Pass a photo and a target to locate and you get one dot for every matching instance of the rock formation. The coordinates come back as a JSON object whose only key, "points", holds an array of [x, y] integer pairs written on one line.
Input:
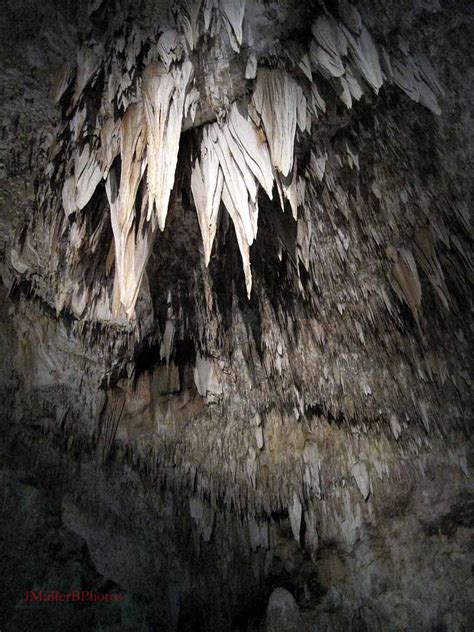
{"points": [[236, 287]]}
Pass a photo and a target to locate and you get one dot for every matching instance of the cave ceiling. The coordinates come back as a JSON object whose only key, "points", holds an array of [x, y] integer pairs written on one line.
{"points": [[235, 247]]}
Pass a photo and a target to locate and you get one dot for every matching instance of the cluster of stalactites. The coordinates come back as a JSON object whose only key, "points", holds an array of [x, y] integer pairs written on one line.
{"points": [[251, 146], [235, 159]]}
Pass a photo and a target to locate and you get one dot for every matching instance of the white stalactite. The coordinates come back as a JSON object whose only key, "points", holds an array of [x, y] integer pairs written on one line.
{"points": [[131, 252], [234, 161], [206, 185], [164, 96], [280, 102], [251, 146], [232, 12]]}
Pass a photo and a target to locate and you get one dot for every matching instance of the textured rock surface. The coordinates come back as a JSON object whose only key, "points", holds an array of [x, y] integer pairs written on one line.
{"points": [[282, 612], [235, 252]]}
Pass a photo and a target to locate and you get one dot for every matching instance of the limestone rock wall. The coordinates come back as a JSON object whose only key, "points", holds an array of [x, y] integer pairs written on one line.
{"points": [[235, 254]]}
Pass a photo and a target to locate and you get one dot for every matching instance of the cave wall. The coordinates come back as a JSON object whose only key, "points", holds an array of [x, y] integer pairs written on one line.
{"points": [[207, 447]]}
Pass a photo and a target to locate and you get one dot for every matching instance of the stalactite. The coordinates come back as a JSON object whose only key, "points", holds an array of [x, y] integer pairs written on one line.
{"points": [[164, 95], [252, 145], [130, 255], [281, 103], [298, 406]]}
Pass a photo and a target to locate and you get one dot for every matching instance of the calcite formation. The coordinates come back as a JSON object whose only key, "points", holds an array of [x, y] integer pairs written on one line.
{"points": [[236, 262], [148, 91]]}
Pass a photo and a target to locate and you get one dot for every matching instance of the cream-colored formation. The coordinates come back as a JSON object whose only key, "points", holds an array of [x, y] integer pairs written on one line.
{"points": [[249, 145]]}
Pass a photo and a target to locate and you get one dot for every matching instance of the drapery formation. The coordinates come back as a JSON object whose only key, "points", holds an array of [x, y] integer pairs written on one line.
{"points": [[151, 92], [327, 416]]}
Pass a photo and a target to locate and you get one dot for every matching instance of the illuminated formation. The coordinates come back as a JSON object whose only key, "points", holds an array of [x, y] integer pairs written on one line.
{"points": [[148, 99]]}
